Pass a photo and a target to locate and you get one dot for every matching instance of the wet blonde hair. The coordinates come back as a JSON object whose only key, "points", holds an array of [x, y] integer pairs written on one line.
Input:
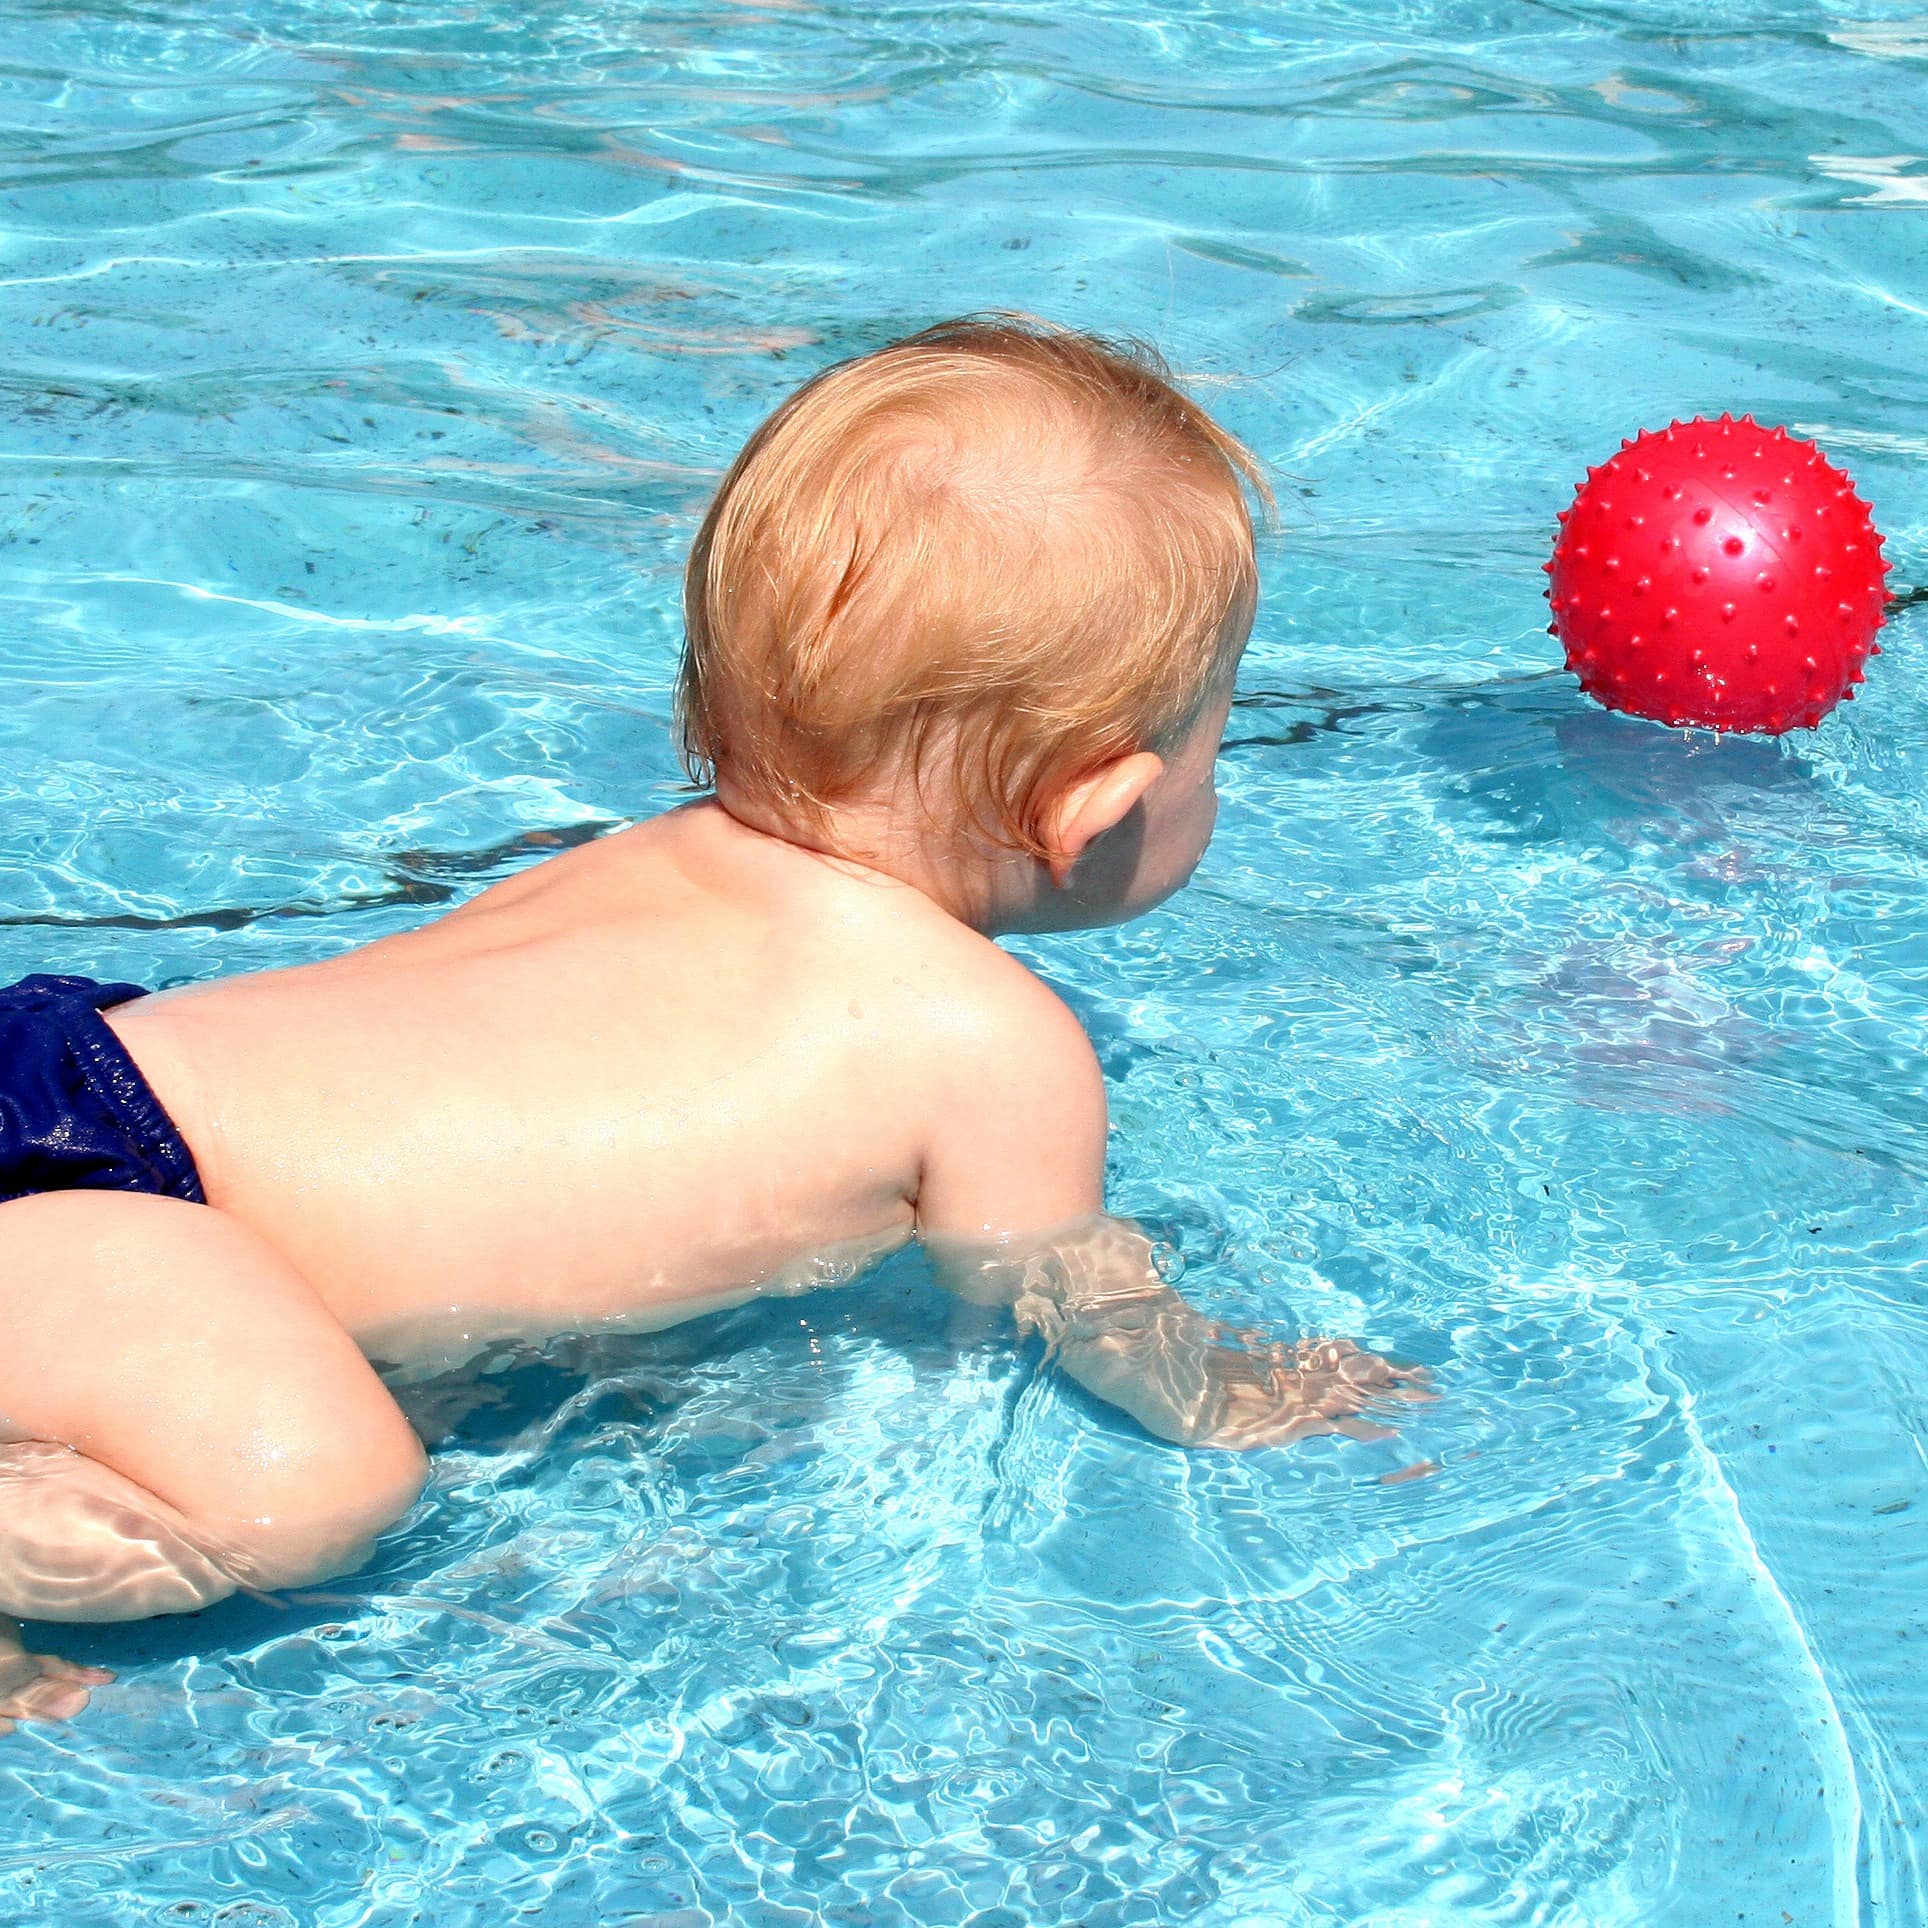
{"points": [[992, 558]]}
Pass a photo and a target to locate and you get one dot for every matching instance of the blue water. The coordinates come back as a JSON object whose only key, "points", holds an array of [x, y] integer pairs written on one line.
{"points": [[365, 369]]}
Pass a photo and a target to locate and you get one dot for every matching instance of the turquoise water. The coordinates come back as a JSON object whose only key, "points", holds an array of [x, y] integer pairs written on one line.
{"points": [[366, 367]]}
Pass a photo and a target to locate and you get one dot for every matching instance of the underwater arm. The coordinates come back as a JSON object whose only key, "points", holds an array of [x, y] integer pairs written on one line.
{"points": [[1092, 1292], [1024, 1147]]}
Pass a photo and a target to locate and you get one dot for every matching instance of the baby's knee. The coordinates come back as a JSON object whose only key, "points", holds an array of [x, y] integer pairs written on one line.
{"points": [[79, 1541], [326, 1521], [179, 1352]]}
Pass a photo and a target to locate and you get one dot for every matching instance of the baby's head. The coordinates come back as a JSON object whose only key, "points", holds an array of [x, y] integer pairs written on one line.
{"points": [[974, 602]]}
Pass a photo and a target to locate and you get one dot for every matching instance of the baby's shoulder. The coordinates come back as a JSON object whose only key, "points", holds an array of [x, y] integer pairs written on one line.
{"points": [[994, 1029], [1011, 1099], [838, 952], [972, 994]]}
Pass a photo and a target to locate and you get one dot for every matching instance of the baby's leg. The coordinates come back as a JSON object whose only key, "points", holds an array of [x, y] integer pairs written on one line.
{"points": [[179, 1415]]}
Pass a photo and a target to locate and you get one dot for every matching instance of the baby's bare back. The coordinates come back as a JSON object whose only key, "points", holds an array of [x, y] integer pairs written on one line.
{"points": [[668, 1068]]}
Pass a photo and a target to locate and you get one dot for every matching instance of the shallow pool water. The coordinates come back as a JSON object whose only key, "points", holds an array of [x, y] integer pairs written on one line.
{"points": [[366, 368]]}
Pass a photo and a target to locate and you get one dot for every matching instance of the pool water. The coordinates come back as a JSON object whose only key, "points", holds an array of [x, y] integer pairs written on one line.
{"points": [[366, 369]]}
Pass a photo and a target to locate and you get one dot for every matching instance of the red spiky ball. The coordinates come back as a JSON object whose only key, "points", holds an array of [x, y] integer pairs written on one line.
{"points": [[1719, 574]]}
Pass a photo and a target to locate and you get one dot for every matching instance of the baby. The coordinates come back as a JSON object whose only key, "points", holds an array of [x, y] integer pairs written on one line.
{"points": [[963, 622]]}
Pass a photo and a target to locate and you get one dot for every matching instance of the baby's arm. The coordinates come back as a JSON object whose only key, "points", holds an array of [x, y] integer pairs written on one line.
{"points": [[1010, 1209], [1091, 1290]]}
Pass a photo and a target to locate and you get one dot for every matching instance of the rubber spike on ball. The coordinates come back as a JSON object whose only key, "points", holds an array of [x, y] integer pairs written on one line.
{"points": [[1771, 575]]}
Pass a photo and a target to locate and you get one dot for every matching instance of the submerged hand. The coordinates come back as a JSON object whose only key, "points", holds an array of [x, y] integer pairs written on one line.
{"points": [[40, 1686], [1266, 1395]]}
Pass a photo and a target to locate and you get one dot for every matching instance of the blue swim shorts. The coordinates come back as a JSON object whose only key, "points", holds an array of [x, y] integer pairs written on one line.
{"points": [[75, 1112]]}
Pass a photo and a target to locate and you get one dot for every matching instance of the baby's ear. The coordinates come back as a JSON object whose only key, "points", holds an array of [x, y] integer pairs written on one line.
{"points": [[1090, 805]]}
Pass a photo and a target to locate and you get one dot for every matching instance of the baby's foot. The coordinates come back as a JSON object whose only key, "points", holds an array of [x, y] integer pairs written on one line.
{"points": [[40, 1686]]}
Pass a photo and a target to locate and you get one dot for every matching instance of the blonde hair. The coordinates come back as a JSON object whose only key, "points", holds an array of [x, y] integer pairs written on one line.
{"points": [[999, 541]]}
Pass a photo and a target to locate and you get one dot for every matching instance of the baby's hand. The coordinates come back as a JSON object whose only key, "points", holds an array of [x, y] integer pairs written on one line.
{"points": [[1264, 1394], [40, 1686]]}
